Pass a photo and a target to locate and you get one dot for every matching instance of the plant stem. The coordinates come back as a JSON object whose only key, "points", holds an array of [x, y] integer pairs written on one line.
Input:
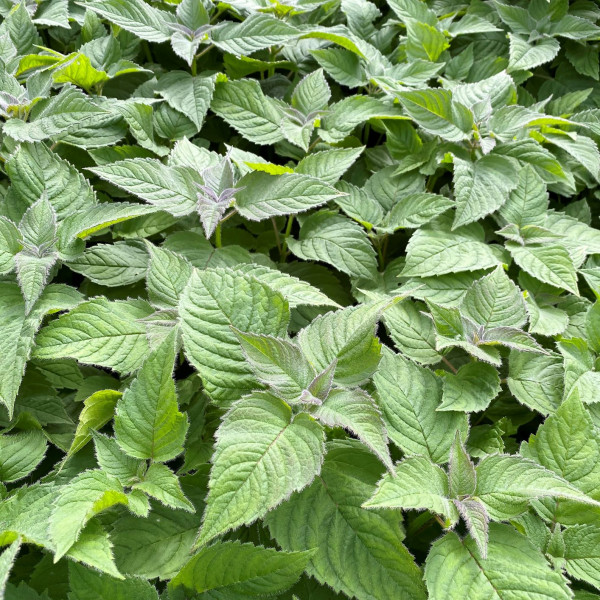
{"points": [[286, 235], [218, 241], [277, 237], [147, 52], [449, 365]]}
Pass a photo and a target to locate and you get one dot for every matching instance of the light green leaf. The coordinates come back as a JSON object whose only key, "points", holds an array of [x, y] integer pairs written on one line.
{"points": [[242, 570], [471, 389], [112, 265], [513, 567], [408, 396], [189, 95], [263, 454], [161, 483], [144, 21], [431, 252], [415, 210], [435, 111], [98, 410], [243, 105], [357, 412], [34, 169], [528, 201], [524, 56], [296, 291], [495, 301], [167, 276], [418, 484], [338, 241], [412, 332], [77, 502], [328, 166], [506, 484], [536, 381], [481, 187], [566, 444], [168, 188], [359, 551], [346, 336], [550, 263], [277, 363], [148, 423], [20, 453], [65, 113], [98, 332], [213, 300], [262, 195], [113, 461], [582, 554]]}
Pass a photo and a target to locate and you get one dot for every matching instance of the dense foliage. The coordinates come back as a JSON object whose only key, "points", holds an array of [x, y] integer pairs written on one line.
{"points": [[298, 299]]}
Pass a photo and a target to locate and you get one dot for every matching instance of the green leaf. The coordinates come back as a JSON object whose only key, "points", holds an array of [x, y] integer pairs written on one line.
{"points": [[157, 545], [435, 111], [528, 201], [418, 484], [495, 301], [77, 502], [88, 584], [338, 241], [357, 412], [189, 95], [263, 454], [136, 16], [98, 332], [524, 56], [34, 169], [20, 454], [471, 389], [65, 113], [112, 265], [566, 444], [506, 484], [256, 32], [167, 276], [481, 187], [581, 554], [214, 300], [243, 105], [263, 196], [277, 363], [408, 396], [113, 461], [346, 336], [431, 252], [328, 516], [536, 381], [513, 567], [161, 483], [167, 188], [10, 244], [328, 166], [148, 423], [7, 559], [550, 263], [415, 210], [98, 410], [244, 570], [296, 291]]}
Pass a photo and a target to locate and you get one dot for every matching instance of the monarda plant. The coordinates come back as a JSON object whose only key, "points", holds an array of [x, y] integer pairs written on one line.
{"points": [[298, 300]]}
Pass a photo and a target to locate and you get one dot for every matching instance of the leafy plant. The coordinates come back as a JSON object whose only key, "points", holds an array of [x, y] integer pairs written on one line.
{"points": [[299, 300]]}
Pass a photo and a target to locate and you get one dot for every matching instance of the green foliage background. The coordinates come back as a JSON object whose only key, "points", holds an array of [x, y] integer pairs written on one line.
{"points": [[298, 299]]}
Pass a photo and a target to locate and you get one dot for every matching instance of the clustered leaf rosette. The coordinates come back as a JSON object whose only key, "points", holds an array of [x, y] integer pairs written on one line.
{"points": [[299, 300]]}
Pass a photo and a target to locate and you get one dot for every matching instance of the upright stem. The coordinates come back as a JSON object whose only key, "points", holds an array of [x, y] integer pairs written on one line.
{"points": [[288, 232], [218, 242], [277, 238]]}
